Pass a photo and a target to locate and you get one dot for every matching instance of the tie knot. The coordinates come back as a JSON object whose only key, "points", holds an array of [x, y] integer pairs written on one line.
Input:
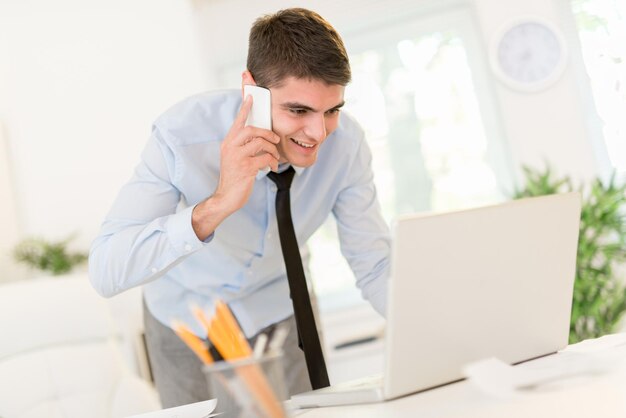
{"points": [[282, 180]]}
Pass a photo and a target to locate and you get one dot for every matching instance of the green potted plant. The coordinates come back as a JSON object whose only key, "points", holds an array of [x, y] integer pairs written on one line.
{"points": [[600, 287], [52, 257]]}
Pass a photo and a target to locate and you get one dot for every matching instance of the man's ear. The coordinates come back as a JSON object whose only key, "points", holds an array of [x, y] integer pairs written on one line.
{"points": [[246, 78]]}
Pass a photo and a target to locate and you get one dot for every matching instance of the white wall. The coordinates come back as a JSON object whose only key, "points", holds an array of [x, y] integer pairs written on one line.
{"points": [[80, 83], [9, 220]]}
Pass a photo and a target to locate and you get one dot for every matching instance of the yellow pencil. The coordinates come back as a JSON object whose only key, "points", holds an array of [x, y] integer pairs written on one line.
{"points": [[200, 316], [193, 342], [223, 313]]}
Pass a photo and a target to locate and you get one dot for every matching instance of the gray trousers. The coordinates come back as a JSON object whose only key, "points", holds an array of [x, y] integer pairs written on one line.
{"points": [[178, 372]]}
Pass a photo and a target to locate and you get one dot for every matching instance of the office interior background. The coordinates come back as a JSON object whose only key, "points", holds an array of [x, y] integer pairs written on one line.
{"points": [[82, 81]]}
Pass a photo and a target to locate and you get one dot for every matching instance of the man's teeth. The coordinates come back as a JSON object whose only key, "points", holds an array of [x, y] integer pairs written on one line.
{"points": [[302, 144]]}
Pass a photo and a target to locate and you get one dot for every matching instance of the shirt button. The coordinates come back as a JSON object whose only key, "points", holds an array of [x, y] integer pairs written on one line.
{"points": [[154, 269], [269, 236], [187, 247], [273, 187], [249, 272]]}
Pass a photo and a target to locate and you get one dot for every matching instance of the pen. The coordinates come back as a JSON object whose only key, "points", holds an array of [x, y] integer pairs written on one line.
{"points": [[259, 345]]}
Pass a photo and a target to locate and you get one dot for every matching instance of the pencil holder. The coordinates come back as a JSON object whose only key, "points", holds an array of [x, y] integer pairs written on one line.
{"points": [[250, 387]]}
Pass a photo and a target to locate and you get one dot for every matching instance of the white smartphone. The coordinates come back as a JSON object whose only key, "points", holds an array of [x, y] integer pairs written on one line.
{"points": [[261, 112]]}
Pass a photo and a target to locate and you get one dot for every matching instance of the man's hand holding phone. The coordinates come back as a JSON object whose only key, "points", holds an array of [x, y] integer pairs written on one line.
{"points": [[245, 151]]}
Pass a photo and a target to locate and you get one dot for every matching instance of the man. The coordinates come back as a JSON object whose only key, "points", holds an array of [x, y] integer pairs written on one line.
{"points": [[197, 222]]}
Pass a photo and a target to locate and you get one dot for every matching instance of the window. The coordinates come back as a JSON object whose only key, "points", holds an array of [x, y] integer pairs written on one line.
{"points": [[602, 31], [414, 91]]}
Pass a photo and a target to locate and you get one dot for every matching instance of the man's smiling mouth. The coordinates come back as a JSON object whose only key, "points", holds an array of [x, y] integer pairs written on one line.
{"points": [[302, 144]]}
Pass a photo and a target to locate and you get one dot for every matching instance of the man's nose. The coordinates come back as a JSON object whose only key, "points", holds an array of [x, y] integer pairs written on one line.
{"points": [[316, 128]]}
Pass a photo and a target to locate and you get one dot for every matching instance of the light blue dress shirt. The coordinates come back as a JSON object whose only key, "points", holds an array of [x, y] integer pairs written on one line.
{"points": [[147, 238]]}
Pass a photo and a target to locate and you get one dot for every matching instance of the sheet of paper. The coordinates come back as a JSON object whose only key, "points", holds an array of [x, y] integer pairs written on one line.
{"points": [[193, 410], [580, 361], [498, 378]]}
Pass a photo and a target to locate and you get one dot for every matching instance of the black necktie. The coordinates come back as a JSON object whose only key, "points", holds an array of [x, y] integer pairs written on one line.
{"points": [[308, 338]]}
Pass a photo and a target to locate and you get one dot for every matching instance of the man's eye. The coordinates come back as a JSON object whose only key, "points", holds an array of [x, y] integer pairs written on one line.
{"points": [[333, 111], [298, 111]]}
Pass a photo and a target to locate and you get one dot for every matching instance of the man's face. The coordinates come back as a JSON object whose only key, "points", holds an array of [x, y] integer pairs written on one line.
{"points": [[304, 113]]}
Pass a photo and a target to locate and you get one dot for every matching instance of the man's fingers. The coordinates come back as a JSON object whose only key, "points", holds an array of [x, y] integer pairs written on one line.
{"points": [[260, 145], [240, 120], [250, 133], [266, 160], [253, 131]]}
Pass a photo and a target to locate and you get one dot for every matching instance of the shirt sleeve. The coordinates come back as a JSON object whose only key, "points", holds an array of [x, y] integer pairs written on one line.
{"points": [[144, 235], [363, 233]]}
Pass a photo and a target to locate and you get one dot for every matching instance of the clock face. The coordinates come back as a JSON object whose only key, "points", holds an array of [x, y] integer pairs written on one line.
{"points": [[529, 55]]}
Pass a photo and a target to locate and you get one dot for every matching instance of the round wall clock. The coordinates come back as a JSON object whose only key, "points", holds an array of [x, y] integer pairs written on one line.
{"points": [[529, 54]]}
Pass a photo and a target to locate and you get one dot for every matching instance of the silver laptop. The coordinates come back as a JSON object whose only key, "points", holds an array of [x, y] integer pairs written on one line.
{"points": [[466, 285]]}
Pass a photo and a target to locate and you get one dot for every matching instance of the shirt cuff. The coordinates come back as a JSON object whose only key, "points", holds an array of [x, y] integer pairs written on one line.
{"points": [[181, 234]]}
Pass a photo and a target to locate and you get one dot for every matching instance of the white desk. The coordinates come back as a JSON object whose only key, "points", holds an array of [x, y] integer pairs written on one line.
{"points": [[589, 396]]}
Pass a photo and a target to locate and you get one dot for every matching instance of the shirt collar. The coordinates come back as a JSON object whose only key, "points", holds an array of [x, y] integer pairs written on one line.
{"points": [[281, 167]]}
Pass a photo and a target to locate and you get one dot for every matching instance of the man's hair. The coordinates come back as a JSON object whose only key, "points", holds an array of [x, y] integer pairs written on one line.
{"points": [[296, 43]]}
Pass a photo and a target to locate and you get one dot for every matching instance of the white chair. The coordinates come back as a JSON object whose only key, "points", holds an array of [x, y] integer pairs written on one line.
{"points": [[61, 354]]}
